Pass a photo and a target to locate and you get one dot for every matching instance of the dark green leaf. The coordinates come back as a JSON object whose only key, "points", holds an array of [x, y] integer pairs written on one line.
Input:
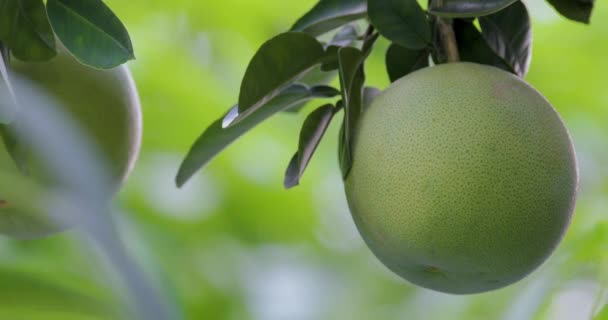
{"points": [[401, 21], [278, 63], [324, 91], [91, 32], [311, 134], [401, 61], [467, 8], [319, 79], [325, 73], [330, 62], [577, 10], [24, 27], [508, 32], [215, 138], [473, 47], [352, 79], [330, 14]]}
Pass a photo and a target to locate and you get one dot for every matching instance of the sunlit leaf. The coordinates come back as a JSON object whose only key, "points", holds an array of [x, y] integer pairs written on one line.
{"points": [[24, 27], [508, 32], [327, 15], [91, 32], [401, 61], [278, 63], [215, 138], [473, 47], [467, 8], [577, 10], [401, 21], [312, 132], [603, 314], [28, 296]]}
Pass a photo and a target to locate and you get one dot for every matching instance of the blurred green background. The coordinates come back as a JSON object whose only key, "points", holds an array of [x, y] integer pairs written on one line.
{"points": [[233, 244]]}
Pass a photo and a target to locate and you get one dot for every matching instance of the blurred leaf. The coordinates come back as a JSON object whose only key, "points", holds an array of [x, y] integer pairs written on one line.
{"points": [[26, 296], [401, 21], [278, 63], [345, 36], [508, 32], [312, 132], [214, 139], [14, 146], [467, 8], [327, 15], [577, 10], [474, 48], [91, 32], [24, 27], [369, 94], [8, 101], [352, 79], [401, 61], [603, 314]]}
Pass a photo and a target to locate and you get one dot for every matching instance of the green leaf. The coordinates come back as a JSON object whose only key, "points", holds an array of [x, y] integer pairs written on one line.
{"points": [[8, 101], [14, 146], [324, 74], [401, 61], [508, 32], [327, 15], [31, 296], [25, 29], [352, 79], [401, 21], [603, 314], [280, 61], [467, 8], [312, 132], [215, 138], [91, 32], [576, 10], [473, 47]]}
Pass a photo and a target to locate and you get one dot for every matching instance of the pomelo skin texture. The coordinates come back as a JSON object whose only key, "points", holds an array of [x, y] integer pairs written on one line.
{"points": [[104, 104], [464, 178]]}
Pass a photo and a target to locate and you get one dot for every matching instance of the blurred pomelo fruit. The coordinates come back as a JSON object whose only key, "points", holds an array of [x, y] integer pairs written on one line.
{"points": [[464, 178], [102, 104]]}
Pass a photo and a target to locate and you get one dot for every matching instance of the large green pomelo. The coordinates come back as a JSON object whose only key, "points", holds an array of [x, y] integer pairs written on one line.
{"points": [[464, 178], [103, 104]]}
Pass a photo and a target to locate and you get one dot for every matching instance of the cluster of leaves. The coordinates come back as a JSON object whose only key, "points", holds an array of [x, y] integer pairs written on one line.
{"points": [[88, 29], [277, 78], [29, 30]]}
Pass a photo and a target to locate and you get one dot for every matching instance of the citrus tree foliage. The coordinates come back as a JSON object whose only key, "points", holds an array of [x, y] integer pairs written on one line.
{"points": [[496, 33], [33, 31]]}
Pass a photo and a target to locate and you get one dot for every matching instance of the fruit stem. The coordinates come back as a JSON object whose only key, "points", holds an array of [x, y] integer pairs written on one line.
{"points": [[448, 39]]}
